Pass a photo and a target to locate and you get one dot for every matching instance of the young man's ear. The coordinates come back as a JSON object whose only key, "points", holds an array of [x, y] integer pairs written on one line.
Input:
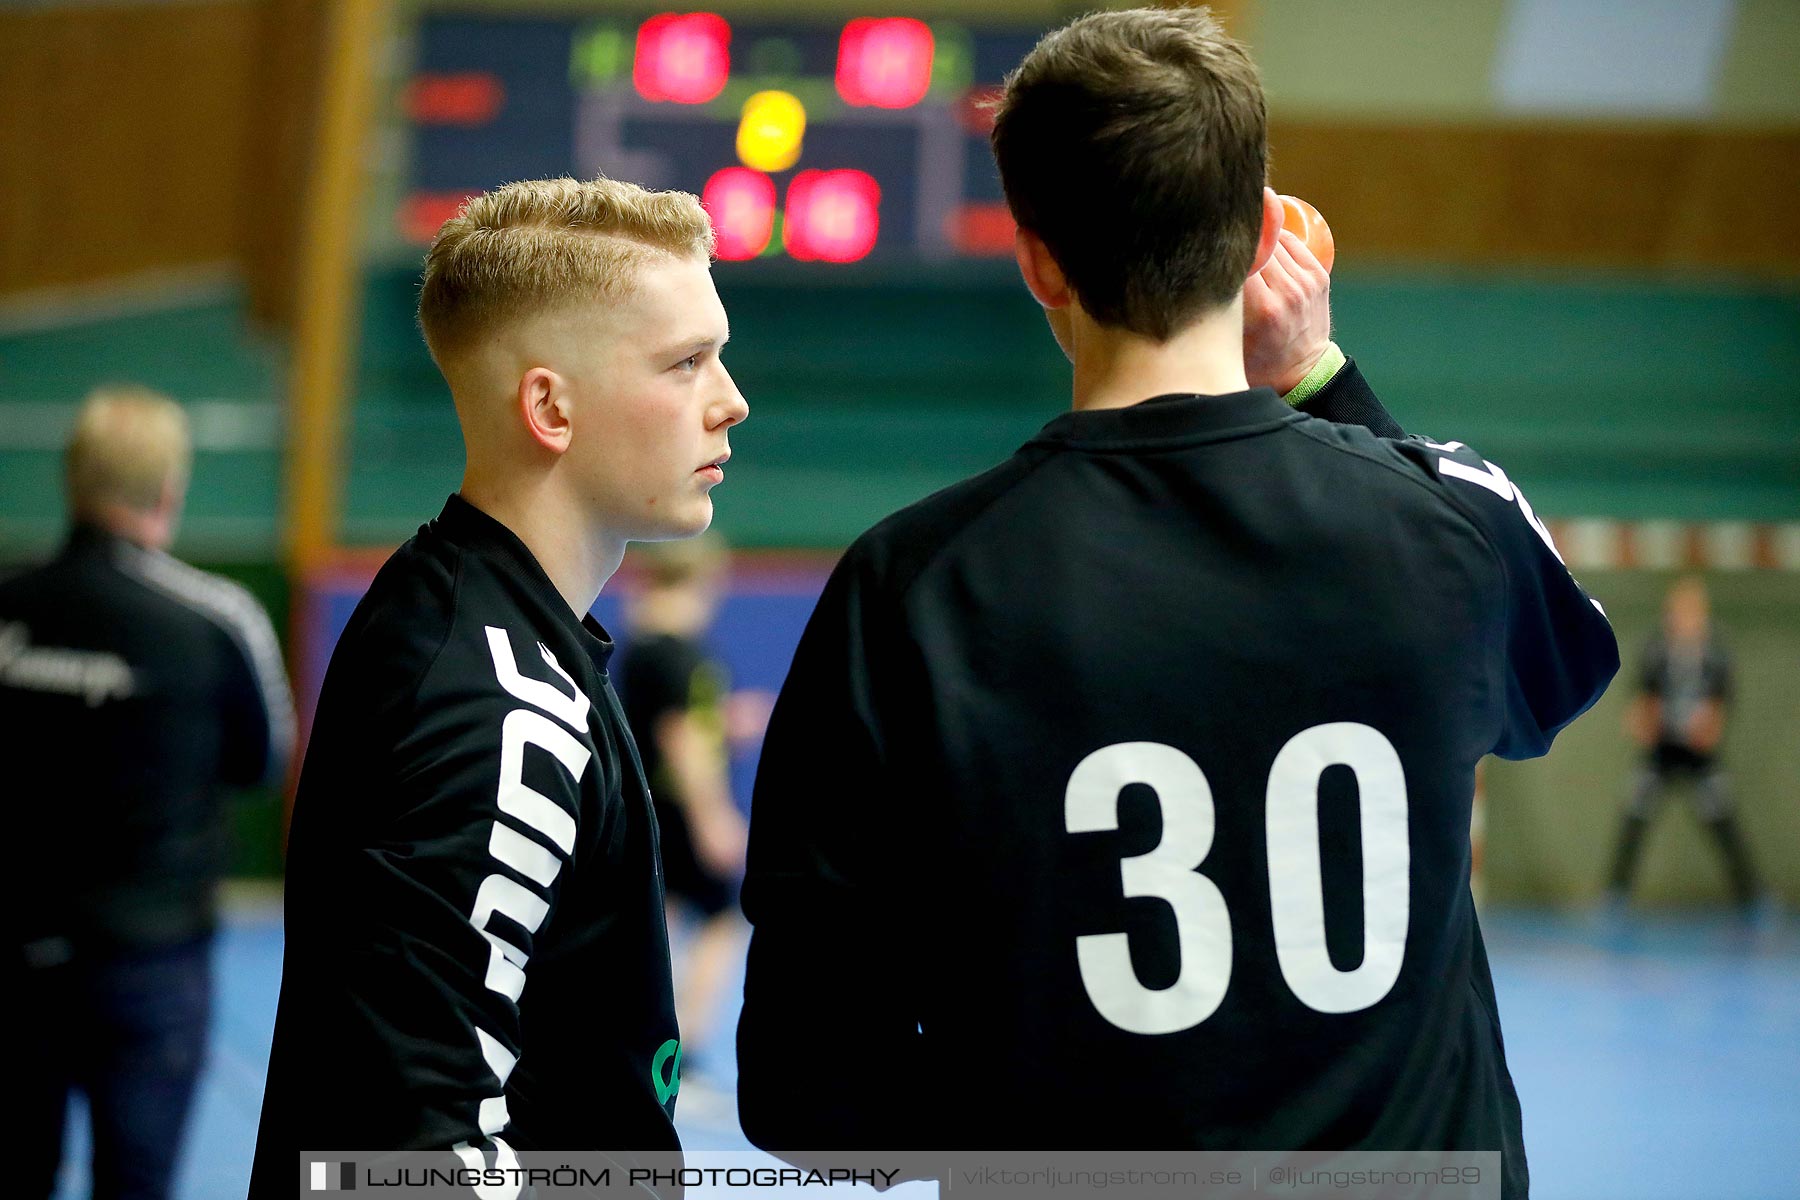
{"points": [[1044, 279], [543, 404], [1272, 218]]}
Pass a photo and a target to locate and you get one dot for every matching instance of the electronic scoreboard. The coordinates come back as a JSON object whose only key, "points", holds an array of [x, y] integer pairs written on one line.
{"points": [[825, 142]]}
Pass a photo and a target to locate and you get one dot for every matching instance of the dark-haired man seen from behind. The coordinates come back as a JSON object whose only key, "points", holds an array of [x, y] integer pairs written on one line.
{"points": [[1119, 797], [134, 690]]}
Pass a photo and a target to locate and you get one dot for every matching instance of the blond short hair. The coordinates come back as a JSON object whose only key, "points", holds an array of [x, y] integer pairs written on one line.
{"points": [[129, 443], [543, 243]]}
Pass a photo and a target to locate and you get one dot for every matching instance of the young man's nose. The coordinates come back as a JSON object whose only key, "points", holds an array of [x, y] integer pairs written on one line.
{"points": [[732, 407]]}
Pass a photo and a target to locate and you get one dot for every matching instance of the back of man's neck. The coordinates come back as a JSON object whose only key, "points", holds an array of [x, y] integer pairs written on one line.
{"points": [[1115, 369], [148, 529]]}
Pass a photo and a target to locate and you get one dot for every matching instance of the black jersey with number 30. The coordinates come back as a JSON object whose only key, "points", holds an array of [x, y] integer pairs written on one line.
{"points": [[1119, 797]]}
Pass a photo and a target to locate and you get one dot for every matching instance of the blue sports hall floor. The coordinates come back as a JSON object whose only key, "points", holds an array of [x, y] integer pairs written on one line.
{"points": [[1657, 1057]]}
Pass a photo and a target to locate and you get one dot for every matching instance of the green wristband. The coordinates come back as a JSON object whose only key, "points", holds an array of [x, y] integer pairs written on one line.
{"points": [[1323, 372]]}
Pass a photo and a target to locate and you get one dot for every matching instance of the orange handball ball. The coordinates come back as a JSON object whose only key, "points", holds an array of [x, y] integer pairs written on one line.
{"points": [[1304, 221]]}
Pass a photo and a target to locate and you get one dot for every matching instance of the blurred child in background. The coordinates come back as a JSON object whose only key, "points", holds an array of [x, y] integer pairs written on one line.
{"points": [[679, 705]]}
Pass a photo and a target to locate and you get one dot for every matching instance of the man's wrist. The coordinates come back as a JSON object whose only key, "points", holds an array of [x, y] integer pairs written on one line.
{"points": [[1322, 372]]}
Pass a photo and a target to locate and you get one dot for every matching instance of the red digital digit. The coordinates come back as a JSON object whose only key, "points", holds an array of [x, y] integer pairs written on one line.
{"points": [[461, 98], [741, 203], [832, 216], [884, 62], [682, 57]]}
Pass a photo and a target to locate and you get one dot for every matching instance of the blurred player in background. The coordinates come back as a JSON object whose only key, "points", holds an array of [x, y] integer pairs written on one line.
{"points": [[476, 957], [133, 690], [678, 702], [1119, 797], [1678, 718]]}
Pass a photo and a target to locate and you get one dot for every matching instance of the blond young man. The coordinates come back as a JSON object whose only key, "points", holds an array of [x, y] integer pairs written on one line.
{"points": [[476, 957], [134, 689], [1118, 798]]}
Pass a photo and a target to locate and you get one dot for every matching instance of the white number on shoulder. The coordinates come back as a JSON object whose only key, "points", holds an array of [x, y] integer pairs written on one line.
{"points": [[1494, 480]]}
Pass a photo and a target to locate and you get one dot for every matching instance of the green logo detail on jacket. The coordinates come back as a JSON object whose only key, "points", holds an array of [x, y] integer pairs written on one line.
{"points": [[666, 1088]]}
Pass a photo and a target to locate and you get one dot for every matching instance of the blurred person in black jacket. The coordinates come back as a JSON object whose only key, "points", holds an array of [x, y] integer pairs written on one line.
{"points": [[133, 690], [1678, 719]]}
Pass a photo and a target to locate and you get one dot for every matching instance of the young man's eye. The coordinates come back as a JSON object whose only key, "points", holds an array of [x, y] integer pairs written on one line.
{"points": [[690, 363]]}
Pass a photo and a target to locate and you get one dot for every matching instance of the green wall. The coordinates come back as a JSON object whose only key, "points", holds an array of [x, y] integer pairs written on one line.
{"points": [[1604, 397], [1615, 397]]}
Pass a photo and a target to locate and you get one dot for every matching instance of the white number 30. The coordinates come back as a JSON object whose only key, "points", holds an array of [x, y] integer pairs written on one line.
{"points": [[1168, 872]]}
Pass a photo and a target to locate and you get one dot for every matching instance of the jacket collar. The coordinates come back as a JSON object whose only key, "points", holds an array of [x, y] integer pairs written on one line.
{"points": [[462, 524], [87, 537], [1169, 420]]}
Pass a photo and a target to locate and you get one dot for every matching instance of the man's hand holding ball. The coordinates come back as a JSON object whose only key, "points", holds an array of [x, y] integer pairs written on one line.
{"points": [[1287, 304]]}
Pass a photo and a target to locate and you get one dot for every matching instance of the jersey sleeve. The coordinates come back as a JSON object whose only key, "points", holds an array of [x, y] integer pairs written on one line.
{"points": [[1347, 399], [256, 707], [461, 875], [1557, 651], [815, 892], [256, 704]]}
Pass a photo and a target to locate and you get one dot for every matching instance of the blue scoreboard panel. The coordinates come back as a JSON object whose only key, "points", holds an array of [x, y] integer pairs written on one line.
{"points": [[827, 142]]}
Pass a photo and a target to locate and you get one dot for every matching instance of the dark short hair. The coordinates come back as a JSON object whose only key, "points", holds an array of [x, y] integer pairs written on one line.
{"points": [[1135, 144]]}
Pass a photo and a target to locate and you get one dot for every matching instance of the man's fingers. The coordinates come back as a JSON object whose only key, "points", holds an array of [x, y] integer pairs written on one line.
{"points": [[1310, 286], [1274, 271], [1288, 279], [1291, 265], [1293, 271], [1298, 256]]}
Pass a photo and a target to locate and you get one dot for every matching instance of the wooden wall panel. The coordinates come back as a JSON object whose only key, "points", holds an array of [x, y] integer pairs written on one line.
{"points": [[1549, 195], [1738, 204], [125, 138]]}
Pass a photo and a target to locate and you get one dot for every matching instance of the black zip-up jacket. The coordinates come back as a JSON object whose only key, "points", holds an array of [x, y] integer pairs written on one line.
{"points": [[133, 689], [476, 953], [1119, 797]]}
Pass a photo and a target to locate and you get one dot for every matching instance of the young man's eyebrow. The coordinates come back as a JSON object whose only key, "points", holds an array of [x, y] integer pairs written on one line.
{"points": [[696, 346]]}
